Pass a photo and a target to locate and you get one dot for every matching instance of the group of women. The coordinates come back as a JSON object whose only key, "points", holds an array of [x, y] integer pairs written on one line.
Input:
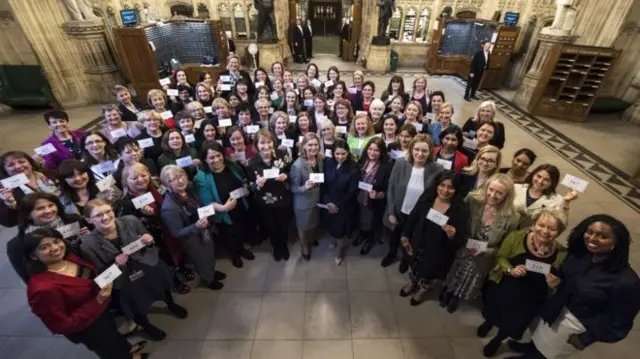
{"points": [[148, 197]]}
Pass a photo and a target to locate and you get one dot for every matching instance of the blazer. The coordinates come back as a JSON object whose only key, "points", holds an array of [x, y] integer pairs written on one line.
{"points": [[304, 198], [66, 305], [478, 63], [435, 130], [472, 124], [52, 160], [459, 159], [178, 222], [399, 181], [554, 201], [169, 158], [128, 115], [206, 190], [273, 193], [102, 252], [341, 184], [245, 75]]}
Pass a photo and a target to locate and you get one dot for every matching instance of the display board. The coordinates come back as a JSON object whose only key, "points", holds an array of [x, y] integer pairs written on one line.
{"points": [[464, 37], [186, 42]]}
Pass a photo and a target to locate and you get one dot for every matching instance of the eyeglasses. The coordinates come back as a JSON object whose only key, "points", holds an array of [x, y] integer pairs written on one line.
{"points": [[177, 178]]}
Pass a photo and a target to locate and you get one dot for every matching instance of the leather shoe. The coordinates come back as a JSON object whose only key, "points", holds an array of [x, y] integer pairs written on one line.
{"points": [[219, 275], [484, 329], [366, 248], [388, 260], [492, 347]]}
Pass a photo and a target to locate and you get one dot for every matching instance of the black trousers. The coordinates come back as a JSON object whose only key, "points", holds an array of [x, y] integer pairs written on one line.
{"points": [[394, 238], [102, 337], [275, 222], [472, 85], [308, 44]]}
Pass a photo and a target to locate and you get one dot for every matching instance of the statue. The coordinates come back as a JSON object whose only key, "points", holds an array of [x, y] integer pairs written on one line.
{"points": [[80, 9], [564, 19], [387, 7], [266, 18], [570, 19]]}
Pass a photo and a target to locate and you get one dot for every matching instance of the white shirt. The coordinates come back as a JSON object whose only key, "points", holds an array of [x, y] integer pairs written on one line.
{"points": [[486, 59], [415, 187], [300, 28]]}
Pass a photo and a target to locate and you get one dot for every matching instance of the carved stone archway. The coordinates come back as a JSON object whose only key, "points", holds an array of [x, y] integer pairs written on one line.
{"points": [[520, 67], [180, 8]]}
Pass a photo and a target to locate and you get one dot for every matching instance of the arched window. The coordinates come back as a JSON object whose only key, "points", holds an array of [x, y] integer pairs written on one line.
{"points": [[225, 17], [253, 22], [239, 21], [408, 30], [395, 23]]}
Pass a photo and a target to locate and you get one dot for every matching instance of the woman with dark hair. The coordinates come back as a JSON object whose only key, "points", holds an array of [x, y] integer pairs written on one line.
{"points": [[339, 191], [389, 132], [79, 187], [342, 115], [223, 184], [130, 153], [333, 77], [339, 92], [448, 154], [484, 137], [242, 91], [364, 98], [151, 138], [207, 133], [114, 127], [430, 243], [145, 279], [178, 103], [290, 105], [177, 152], [522, 160], [15, 163], [396, 108], [99, 154], [240, 149], [375, 170], [435, 100], [128, 107], [394, 88], [321, 111], [41, 210], [63, 294], [261, 78], [313, 73], [597, 293], [65, 140], [399, 149]]}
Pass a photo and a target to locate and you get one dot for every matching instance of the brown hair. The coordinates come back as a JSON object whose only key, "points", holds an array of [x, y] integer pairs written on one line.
{"points": [[420, 138]]}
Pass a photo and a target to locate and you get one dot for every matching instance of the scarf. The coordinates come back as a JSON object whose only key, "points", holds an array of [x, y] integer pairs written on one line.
{"points": [[58, 222], [367, 177]]}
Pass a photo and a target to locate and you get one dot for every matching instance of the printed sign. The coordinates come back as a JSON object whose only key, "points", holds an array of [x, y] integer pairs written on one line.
{"points": [[479, 246], [172, 92], [133, 247], [45, 150], [69, 230], [445, 163], [225, 122], [316, 177], [15, 181], [271, 173], [574, 183], [106, 183], [537, 267], [185, 161], [437, 217], [108, 276], [206, 211], [145, 142], [365, 186], [143, 200]]}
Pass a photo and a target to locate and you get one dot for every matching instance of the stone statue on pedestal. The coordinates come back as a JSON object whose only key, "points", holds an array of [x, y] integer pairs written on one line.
{"points": [[267, 31], [387, 7], [564, 19], [80, 9]]}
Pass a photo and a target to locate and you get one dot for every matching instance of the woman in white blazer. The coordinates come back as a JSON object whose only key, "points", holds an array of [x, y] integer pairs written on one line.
{"points": [[538, 192]]}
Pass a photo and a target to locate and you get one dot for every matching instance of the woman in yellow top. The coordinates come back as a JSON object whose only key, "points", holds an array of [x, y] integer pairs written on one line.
{"points": [[360, 132]]}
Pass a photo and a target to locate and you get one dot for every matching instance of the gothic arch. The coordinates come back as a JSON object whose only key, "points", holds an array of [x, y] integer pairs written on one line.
{"points": [[466, 13]]}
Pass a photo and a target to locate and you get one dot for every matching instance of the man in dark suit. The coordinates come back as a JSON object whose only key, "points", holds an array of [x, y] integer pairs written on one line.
{"points": [[308, 39], [344, 35], [298, 42], [479, 63]]}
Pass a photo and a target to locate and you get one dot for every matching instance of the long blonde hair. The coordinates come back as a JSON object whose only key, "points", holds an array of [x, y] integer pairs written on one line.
{"points": [[506, 207], [472, 169]]}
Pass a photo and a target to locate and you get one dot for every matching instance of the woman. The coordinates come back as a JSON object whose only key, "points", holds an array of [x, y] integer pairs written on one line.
{"points": [[128, 108], [355, 90], [333, 77], [413, 116], [363, 101], [538, 192], [63, 294], [63, 139], [485, 165], [484, 136], [327, 138], [448, 154], [409, 178], [389, 132], [271, 194], [394, 88], [308, 98], [304, 125], [486, 113], [420, 93], [302, 83], [339, 92], [180, 79], [342, 115], [399, 149], [287, 76], [263, 109], [41, 210], [144, 280], [375, 170], [234, 73], [313, 74], [206, 79], [204, 94], [14, 163], [279, 125], [79, 187], [176, 151], [510, 282], [360, 132], [207, 133], [519, 170], [321, 110], [157, 100], [242, 91], [435, 100], [432, 245], [99, 154], [396, 108], [180, 216], [444, 115], [277, 95], [376, 113], [114, 128], [339, 192], [239, 149], [184, 97], [261, 78], [137, 181], [276, 70], [223, 184], [597, 297], [150, 140], [290, 105], [491, 218], [306, 192]]}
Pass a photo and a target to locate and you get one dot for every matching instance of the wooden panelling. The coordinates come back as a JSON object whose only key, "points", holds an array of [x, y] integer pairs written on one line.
{"points": [[137, 59]]}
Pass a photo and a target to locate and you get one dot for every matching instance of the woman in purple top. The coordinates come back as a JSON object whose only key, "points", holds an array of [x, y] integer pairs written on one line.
{"points": [[65, 141]]}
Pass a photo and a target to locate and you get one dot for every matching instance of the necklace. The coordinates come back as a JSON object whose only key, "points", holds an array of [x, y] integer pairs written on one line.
{"points": [[64, 268], [540, 252]]}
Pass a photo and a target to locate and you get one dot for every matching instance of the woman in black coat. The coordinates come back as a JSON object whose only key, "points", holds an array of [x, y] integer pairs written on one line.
{"points": [[430, 245], [341, 176], [232, 74]]}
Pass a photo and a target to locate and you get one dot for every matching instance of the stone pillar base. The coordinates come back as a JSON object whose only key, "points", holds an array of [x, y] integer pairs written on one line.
{"points": [[269, 53], [379, 58]]}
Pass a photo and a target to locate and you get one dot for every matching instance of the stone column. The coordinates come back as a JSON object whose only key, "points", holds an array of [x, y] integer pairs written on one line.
{"points": [[434, 15], [532, 78], [369, 27], [102, 71]]}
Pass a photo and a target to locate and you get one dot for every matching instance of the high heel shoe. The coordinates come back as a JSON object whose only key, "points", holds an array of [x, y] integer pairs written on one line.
{"points": [[408, 289], [366, 248]]}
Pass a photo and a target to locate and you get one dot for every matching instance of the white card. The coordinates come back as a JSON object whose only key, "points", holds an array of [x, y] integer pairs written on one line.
{"points": [[287, 142], [328, 83], [395, 154], [225, 78], [237, 193], [292, 118], [239, 156], [206, 211], [190, 138], [341, 129], [225, 87], [45, 150], [361, 113], [300, 138], [479, 246], [308, 103], [328, 153], [208, 109], [103, 167], [470, 144], [574, 183], [259, 83], [121, 132], [431, 117], [69, 230], [297, 92], [143, 200], [353, 90], [437, 217], [271, 110], [445, 163], [225, 122], [172, 92], [316, 177], [537, 267], [15, 181], [321, 118], [166, 115], [108, 276], [133, 247], [418, 126], [365, 186], [251, 129], [271, 173], [185, 161], [165, 81], [322, 205], [316, 83], [106, 183], [274, 96], [145, 142], [288, 85]]}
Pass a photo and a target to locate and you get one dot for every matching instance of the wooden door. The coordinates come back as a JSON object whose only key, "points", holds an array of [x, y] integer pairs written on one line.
{"points": [[326, 17], [137, 59]]}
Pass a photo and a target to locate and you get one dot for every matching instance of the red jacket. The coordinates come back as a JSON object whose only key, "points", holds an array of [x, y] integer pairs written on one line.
{"points": [[459, 159], [66, 305]]}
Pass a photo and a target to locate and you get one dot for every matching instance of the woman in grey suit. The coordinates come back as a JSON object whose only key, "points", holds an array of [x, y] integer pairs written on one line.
{"points": [[410, 176], [306, 193], [145, 279]]}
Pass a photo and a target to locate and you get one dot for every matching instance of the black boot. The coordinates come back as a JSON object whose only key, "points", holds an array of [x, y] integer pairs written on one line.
{"points": [[177, 310], [492, 347], [445, 297], [403, 267], [388, 260], [519, 347], [366, 248], [484, 329], [453, 305]]}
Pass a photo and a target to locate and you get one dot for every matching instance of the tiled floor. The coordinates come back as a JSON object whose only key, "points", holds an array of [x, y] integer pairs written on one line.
{"points": [[312, 310]]}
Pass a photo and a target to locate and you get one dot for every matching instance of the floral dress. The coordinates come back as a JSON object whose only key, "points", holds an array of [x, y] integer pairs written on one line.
{"points": [[465, 280]]}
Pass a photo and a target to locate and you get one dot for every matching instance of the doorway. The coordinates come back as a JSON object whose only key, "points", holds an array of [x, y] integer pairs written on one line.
{"points": [[326, 21]]}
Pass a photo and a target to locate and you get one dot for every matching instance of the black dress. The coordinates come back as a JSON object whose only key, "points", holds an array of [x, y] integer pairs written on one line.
{"points": [[512, 304], [226, 183]]}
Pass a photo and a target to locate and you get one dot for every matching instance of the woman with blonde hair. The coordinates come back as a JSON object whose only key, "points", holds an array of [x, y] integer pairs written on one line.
{"points": [[486, 113], [491, 217], [444, 117], [360, 132], [420, 94], [356, 88], [413, 116], [486, 164], [152, 122], [158, 101], [327, 138], [204, 94]]}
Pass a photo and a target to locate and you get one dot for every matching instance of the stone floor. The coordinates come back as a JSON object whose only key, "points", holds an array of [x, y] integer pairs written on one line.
{"points": [[316, 310]]}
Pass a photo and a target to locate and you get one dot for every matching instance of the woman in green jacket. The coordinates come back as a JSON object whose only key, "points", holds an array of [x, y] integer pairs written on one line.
{"points": [[177, 152], [360, 133]]}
